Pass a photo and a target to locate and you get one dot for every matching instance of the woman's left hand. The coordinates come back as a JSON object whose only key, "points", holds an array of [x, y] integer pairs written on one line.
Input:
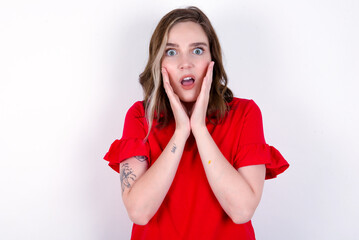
{"points": [[198, 116]]}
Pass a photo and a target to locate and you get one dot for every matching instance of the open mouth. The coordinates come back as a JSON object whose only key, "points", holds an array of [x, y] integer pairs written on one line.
{"points": [[187, 81]]}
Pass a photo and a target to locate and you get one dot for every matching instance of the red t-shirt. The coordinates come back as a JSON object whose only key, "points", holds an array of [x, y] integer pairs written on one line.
{"points": [[190, 209]]}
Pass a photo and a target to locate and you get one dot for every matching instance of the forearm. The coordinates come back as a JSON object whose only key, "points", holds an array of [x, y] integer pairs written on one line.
{"points": [[231, 189], [147, 193]]}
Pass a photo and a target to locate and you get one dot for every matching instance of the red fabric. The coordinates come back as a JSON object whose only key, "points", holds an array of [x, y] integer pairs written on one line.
{"points": [[190, 210]]}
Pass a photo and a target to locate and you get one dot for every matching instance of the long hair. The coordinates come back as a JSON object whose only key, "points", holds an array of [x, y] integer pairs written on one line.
{"points": [[156, 102]]}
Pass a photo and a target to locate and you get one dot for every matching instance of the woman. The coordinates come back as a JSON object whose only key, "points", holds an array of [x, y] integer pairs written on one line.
{"points": [[192, 158]]}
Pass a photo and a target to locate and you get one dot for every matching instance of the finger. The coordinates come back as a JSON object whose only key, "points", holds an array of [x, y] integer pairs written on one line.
{"points": [[207, 80], [166, 82], [168, 88], [164, 74], [209, 74], [164, 77]]}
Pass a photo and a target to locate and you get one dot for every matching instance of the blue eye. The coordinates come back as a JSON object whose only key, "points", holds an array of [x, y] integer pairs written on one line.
{"points": [[171, 52], [198, 51]]}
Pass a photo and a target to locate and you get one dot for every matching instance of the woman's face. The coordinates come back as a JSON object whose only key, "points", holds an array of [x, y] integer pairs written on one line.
{"points": [[186, 59]]}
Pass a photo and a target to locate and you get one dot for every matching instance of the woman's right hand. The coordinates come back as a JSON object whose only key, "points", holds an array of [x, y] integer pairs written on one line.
{"points": [[179, 113]]}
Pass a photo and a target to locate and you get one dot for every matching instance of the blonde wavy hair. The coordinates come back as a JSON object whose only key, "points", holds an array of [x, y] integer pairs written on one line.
{"points": [[156, 102]]}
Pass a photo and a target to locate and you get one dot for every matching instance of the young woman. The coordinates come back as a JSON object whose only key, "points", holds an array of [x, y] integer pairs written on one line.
{"points": [[192, 158]]}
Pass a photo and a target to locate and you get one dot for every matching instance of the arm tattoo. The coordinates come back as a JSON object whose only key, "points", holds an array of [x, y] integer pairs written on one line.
{"points": [[141, 158], [174, 148], [126, 175]]}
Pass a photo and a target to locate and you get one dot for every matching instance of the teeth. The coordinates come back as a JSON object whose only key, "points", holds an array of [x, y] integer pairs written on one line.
{"points": [[187, 78]]}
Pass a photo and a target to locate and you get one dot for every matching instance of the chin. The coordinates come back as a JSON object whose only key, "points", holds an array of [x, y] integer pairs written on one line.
{"points": [[188, 99]]}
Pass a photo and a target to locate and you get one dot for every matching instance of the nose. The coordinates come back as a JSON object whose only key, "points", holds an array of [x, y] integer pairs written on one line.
{"points": [[185, 62]]}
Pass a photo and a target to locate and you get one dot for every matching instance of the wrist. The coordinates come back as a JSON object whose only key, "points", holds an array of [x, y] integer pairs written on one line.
{"points": [[182, 134], [199, 131]]}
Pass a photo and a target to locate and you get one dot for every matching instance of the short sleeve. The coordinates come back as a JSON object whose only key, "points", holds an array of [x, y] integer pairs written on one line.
{"points": [[252, 148], [132, 142]]}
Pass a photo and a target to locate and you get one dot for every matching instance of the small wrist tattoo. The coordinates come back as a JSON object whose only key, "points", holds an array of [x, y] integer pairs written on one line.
{"points": [[174, 148]]}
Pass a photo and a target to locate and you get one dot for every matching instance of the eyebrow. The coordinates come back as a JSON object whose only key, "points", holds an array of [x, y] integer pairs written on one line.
{"points": [[196, 44]]}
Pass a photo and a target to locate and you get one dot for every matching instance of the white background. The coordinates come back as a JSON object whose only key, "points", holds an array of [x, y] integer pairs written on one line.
{"points": [[69, 72]]}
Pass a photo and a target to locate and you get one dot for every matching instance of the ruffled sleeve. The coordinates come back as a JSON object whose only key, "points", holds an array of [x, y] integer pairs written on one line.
{"points": [[123, 149], [252, 148], [132, 142], [255, 154]]}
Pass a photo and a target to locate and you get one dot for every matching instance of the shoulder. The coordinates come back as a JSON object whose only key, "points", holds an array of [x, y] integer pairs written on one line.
{"points": [[135, 119], [137, 110], [242, 105]]}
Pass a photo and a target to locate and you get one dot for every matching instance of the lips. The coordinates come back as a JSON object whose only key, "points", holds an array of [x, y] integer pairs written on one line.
{"points": [[187, 81]]}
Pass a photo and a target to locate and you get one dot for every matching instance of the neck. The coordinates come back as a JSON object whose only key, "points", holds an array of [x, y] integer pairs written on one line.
{"points": [[188, 107]]}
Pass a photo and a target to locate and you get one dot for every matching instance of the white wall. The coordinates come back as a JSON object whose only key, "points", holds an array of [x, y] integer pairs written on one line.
{"points": [[69, 72]]}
